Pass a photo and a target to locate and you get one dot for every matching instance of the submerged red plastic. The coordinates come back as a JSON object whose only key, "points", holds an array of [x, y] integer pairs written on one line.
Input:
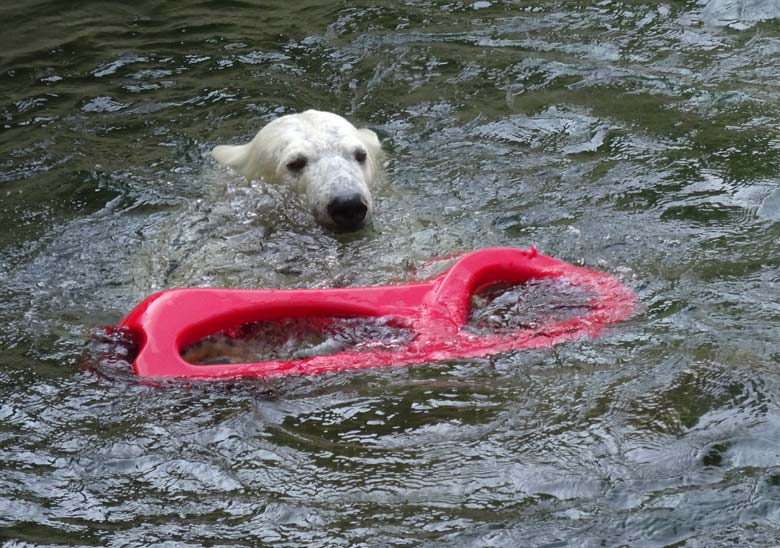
{"points": [[435, 310]]}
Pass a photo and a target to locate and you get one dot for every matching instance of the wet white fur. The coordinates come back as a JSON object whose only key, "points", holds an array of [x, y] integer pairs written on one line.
{"points": [[327, 141]]}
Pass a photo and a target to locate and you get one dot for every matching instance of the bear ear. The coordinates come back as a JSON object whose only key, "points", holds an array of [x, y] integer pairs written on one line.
{"points": [[371, 141], [231, 156]]}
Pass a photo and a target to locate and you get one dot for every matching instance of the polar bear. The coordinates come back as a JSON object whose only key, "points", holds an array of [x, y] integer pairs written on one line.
{"points": [[319, 154]]}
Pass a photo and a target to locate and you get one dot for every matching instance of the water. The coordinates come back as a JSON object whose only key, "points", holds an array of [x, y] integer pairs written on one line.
{"points": [[637, 138], [511, 308], [291, 339]]}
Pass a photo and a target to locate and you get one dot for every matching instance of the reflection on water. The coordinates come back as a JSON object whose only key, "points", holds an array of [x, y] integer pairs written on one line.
{"points": [[636, 138]]}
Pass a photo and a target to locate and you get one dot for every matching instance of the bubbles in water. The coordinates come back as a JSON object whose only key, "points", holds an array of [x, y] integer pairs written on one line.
{"points": [[502, 308], [297, 338]]}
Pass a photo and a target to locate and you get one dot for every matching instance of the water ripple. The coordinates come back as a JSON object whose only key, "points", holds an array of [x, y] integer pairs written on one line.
{"points": [[637, 139]]}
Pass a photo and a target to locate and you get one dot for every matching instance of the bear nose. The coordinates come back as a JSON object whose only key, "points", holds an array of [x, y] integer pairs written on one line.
{"points": [[348, 212]]}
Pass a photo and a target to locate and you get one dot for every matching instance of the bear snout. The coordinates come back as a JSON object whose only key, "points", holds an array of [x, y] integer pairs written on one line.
{"points": [[348, 211]]}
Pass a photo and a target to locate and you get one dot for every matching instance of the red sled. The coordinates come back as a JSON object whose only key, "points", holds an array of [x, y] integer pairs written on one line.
{"points": [[435, 311]]}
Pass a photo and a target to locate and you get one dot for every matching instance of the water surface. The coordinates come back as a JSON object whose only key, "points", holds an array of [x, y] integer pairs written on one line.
{"points": [[640, 138]]}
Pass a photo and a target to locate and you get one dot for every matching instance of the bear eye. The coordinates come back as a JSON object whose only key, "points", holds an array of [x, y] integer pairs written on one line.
{"points": [[297, 165], [360, 155]]}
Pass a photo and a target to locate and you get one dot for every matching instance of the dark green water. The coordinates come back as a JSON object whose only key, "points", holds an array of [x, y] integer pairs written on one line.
{"points": [[639, 138]]}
